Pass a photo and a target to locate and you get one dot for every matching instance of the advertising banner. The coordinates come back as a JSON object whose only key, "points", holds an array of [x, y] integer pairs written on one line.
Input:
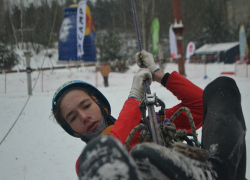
{"points": [[243, 42], [81, 26], [155, 35], [190, 49], [172, 42]]}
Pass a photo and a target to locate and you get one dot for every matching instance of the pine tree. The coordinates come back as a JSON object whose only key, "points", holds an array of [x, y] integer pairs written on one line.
{"points": [[110, 45]]}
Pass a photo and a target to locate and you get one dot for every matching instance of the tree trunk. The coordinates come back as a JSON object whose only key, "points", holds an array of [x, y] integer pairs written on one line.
{"points": [[151, 20], [21, 9], [143, 24], [124, 15], [1, 13], [146, 23], [12, 25]]}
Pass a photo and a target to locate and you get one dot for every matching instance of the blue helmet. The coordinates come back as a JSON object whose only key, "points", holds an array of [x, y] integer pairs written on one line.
{"points": [[92, 91], [78, 83]]}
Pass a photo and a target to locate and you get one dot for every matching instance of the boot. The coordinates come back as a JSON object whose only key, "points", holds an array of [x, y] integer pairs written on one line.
{"points": [[158, 162], [104, 158]]}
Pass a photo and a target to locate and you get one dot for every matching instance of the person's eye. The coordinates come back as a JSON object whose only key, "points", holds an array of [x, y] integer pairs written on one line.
{"points": [[73, 119], [87, 106]]}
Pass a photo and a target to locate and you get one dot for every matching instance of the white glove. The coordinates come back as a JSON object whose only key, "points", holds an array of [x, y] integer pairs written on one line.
{"points": [[137, 89], [146, 58]]}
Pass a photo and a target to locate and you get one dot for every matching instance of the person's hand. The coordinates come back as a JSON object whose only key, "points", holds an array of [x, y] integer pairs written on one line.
{"points": [[137, 89], [147, 59]]}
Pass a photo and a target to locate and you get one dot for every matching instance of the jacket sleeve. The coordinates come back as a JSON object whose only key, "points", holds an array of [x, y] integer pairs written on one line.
{"points": [[190, 96], [77, 165], [129, 117]]}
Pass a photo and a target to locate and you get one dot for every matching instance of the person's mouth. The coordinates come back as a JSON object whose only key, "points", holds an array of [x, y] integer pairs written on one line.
{"points": [[92, 126]]}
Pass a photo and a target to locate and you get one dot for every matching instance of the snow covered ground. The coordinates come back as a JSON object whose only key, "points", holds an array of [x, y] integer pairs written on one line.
{"points": [[37, 148]]}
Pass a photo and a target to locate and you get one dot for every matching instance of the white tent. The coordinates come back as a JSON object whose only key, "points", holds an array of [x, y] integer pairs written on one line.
{"points": [[220, 52], [216, 48]]}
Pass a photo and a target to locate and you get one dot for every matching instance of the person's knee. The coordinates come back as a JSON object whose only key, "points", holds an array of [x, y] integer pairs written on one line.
{"points": [[149, 151], [221, 82], [138, 151], [222, 87], [224, 79]]}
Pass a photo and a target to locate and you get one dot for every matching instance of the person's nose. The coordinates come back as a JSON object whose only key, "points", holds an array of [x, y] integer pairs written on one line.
{"points": [[84, 117]]}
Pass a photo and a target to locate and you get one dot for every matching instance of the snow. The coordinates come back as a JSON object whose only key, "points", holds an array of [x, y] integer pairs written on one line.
{"points": [[36, 147]]}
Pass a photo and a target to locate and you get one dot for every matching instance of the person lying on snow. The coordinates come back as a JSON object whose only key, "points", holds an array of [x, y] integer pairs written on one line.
{"points": [[84, 112]]}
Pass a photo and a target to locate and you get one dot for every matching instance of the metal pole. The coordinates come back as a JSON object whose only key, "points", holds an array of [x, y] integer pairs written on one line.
{"points": [[96, 85], [247, 68], [5, 81], [42, 80], [28, 71], [96, 69], [154, 126], [205, 76]]}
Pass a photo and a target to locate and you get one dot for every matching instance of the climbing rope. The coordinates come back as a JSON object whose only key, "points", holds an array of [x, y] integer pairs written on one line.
{"points": [[153, 126], [51, 32], [139, 128], [34, 83], [168, 131], [191, 121]]}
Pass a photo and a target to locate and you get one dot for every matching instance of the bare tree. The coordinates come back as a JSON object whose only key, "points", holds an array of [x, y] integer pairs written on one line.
{"points": [[12, 25], [152, 17], [146, 17], [1, 12], [21, 8], [143, 30]]}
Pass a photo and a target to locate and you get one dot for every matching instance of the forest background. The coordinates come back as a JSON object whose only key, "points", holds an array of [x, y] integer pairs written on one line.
{"points": [[36, 25]]}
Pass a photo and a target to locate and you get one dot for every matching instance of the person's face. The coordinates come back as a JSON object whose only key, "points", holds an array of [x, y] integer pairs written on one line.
{"points": [[80, 111]]}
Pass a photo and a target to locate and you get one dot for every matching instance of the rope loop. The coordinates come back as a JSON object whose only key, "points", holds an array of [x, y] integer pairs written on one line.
{"points": [[139, 128], [168, 131], [145, 136], [182, 132]]}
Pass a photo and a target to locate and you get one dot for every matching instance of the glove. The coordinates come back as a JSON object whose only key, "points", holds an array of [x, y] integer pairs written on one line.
{"points": [[146, 58], [137, 89]]}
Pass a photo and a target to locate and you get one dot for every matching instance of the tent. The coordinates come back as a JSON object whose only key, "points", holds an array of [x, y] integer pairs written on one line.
{"points": [[221, 52], [67, 46]]}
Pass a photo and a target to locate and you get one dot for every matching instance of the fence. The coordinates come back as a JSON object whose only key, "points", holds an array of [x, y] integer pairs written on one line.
{"points": [[49, 79]]}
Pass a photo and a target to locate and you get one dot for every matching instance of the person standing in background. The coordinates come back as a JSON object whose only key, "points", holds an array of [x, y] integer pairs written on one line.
{"points": [[105, 70]]}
